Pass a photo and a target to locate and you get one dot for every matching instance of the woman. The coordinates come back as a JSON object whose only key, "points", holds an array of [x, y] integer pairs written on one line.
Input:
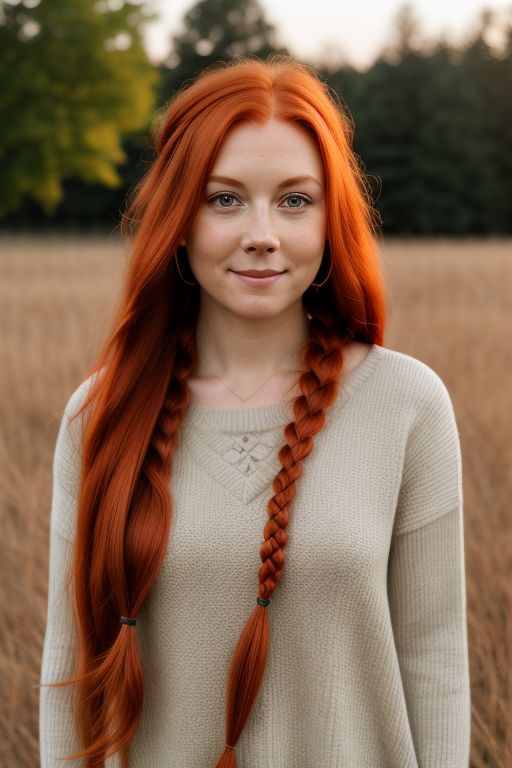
{"points": [[232, 424]]}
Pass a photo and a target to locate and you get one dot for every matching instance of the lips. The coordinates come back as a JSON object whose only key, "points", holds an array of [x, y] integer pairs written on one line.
{"points": [[257, 272]]}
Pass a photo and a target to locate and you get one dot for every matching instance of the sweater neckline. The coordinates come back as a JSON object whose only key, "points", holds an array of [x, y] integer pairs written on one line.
{"points": [[274, 414]]}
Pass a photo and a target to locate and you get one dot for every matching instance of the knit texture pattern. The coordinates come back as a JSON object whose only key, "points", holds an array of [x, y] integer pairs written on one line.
{"points": [[368, 660]]}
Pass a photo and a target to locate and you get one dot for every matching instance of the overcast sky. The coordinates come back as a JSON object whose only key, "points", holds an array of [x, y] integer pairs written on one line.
{"points": [[355, 31]]}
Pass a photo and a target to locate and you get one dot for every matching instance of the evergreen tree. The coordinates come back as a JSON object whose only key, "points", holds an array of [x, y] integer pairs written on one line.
{"points": [[216, 30], [422, 131], [491, 73]]}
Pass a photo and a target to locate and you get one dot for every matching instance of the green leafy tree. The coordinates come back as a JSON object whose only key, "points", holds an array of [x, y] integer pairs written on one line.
{"points": [[74, 78], [216, 30]]}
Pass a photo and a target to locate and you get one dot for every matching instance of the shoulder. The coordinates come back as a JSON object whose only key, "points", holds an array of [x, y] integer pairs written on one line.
{"points": [[408, 379], [423, 404], [422, 421], [72, 427], [81, 392], [79, 395]]}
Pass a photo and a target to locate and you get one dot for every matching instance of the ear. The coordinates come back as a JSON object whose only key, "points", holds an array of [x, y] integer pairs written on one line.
{"points": [[182, 241]]}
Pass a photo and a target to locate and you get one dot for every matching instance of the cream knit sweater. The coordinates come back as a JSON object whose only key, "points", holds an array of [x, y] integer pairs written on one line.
{"points": [[368, 660]]}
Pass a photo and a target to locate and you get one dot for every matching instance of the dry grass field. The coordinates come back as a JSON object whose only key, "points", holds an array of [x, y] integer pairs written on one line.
{"points": [[450, 306]]}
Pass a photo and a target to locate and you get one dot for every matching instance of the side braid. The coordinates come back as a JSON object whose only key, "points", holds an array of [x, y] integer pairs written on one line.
{"points": [[144, 554], [323, 357], [109, 671], [152, 492], [152, 488]]}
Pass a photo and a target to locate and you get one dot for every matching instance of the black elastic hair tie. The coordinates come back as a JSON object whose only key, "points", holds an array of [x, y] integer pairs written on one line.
{"points": [[262, 602], [130, 622]]}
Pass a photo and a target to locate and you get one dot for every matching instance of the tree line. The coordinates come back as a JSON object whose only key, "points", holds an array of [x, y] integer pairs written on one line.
{"points": [[78, 94]]}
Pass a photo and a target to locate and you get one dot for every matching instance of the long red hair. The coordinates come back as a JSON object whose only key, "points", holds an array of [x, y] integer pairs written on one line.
{"points": [[138, 394]]}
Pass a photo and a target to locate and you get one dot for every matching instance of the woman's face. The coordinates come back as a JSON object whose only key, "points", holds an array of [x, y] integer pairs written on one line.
{"points": [[263, 209]]}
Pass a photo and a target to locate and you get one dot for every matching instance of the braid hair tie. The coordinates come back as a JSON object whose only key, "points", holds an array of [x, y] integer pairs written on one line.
{"points": [[133, 622], [126, 620]]}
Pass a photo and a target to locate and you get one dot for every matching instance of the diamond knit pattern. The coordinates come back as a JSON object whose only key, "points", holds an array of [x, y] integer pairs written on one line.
{"points": [[244, 462]]}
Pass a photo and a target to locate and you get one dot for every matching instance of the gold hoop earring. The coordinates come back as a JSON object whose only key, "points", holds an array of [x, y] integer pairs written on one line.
{"points": [[178, 267], [318, 285]]}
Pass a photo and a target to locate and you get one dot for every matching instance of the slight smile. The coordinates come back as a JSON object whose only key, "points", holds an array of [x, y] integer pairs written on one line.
{"points": [[267, 279]]}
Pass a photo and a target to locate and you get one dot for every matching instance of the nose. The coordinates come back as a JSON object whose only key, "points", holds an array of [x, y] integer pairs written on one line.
{"points": [[260, 235]]}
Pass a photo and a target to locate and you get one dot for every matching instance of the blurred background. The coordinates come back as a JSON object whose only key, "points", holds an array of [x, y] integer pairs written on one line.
{"points": [[428, 86]]}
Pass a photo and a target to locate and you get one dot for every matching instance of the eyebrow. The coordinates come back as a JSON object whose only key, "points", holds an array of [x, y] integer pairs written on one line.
{"points": [[287, 183]]}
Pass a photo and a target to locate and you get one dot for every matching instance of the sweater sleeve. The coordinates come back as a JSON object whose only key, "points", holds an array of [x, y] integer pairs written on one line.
{"points": [[57, 733], [427, 587]]}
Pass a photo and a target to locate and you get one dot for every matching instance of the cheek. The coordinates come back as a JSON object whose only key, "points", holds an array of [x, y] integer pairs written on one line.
{"points": [[306, 245], [208, 235], [307, 234]]}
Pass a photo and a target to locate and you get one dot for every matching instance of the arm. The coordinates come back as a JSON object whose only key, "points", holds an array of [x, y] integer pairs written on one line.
{"points": [[427, 597], [57, 734], [427, 588]]}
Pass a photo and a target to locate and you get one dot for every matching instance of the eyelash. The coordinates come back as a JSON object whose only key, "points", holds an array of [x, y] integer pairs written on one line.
{"points": [[305, 198]]}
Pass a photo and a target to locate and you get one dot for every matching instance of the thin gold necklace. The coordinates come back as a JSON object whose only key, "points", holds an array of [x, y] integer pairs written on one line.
{"points": [[258, 388], [244, 399]]}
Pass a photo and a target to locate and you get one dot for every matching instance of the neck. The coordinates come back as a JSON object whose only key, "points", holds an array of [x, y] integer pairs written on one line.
{"points": [[244, 349]]}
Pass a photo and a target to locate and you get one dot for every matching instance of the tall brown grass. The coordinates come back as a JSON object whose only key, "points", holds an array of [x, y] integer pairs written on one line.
{"points": [[450, 306]]}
